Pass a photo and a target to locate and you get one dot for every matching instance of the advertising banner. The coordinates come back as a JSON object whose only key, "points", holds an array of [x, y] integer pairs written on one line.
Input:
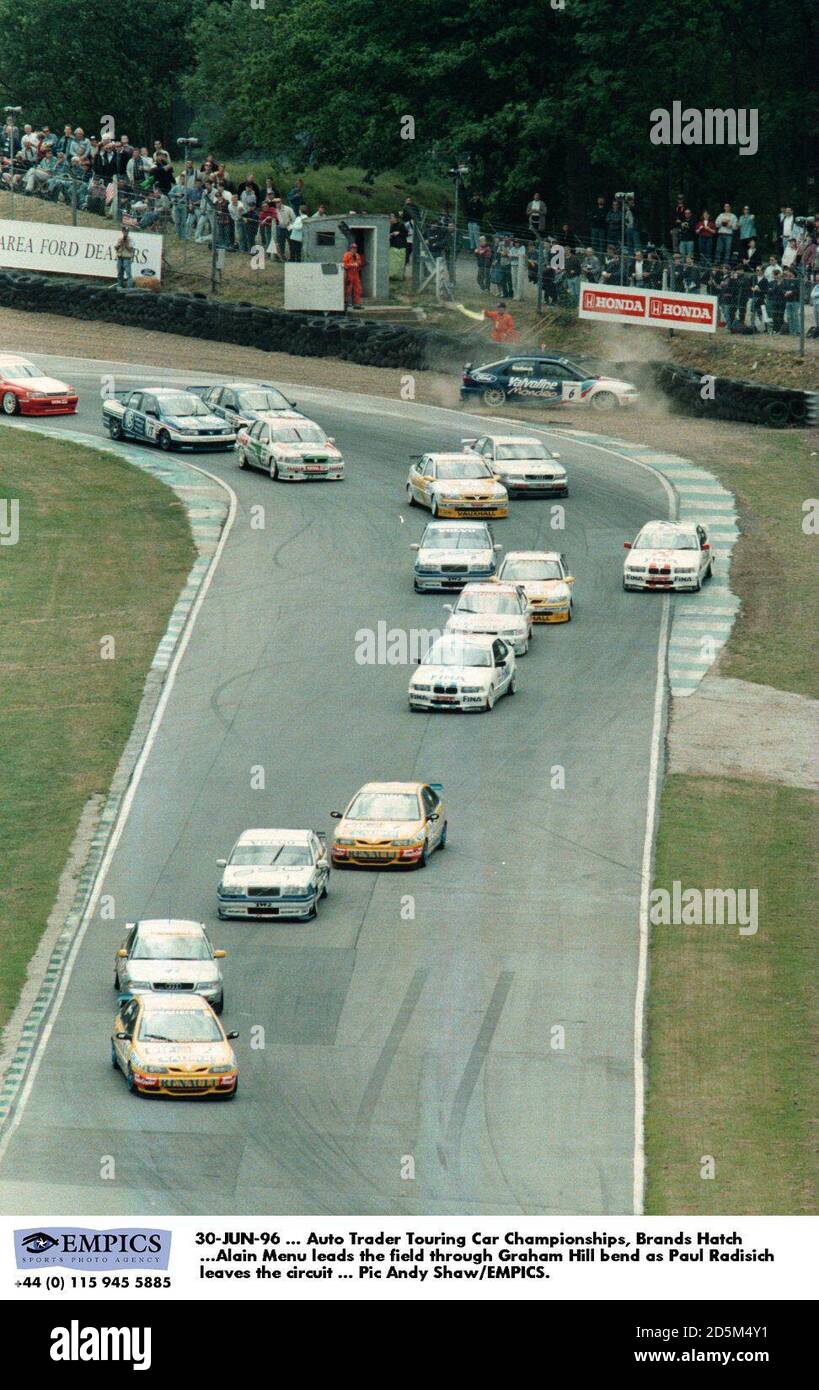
{"points": [[41, 246], [697, 313]]}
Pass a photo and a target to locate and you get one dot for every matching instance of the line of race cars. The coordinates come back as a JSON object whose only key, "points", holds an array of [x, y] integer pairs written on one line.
{"points": [[168, 1038]]}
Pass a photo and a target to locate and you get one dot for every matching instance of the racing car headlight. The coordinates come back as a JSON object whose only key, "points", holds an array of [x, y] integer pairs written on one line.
{"points": [[139, 984], [229, 892], [301, 892], [426, 569], [417, 686], [221, 1069], [470, 690], [149, 1068], [208, 986]]}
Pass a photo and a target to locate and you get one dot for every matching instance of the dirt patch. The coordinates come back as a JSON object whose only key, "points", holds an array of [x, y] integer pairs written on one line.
{"points": [[732, 728]]}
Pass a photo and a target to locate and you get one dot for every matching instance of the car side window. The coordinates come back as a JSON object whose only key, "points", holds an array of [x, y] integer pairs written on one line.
{"points": [[229, 400], [702, 536], [430, 470], [256, 432], [212, 396], [150, 405], [525, 367], [498, 652], [430, 801], [134, 401], [128, 1017]]}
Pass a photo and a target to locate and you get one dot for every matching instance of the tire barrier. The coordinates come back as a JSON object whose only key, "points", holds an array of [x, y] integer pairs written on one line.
{"points": [[369, 344]]}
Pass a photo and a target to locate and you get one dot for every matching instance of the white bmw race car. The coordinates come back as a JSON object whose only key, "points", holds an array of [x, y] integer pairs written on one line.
{"points": [[463, 672], [668, 555], [291, 448]]}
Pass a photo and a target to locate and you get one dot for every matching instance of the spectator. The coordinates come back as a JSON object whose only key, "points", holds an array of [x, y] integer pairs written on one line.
{"points": [[614, 224], [286, 217], [637, 271], [598, 222], [675, 272], [124, 251], [706, 232], [591, 265], [686, 233], [790, 292], [747, 231], [633, 242], [536, 214], [297, 231], [474, 218], [690, 277], [483, 262], [751, 257], [727, 298], [789, 255], [573, 269], [757, 308], [785, 226], [295, 198], [520, 278], [267, 222], [353, 262], [772, 268], [726, 224], [814, 301], [678, 216]]}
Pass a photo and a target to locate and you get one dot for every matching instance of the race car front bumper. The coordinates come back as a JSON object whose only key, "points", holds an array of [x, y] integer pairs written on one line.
{"points": [[383, 857], [454, 510], [551, 615], [199, 441], [177, 1084], [439, 580], [662, 582], [267, 908], [62, 405], [458, 703], [311, 474], [536, 487]]}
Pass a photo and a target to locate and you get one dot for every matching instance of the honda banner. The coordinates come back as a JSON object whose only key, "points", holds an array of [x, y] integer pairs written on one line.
{"points": [[656, 308]]}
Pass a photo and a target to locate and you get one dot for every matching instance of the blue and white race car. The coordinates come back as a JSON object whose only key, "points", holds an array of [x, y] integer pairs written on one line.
{"points": [[548, 379], [166, 417]]}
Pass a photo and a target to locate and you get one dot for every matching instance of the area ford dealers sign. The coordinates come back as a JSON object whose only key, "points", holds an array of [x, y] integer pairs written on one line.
{"points": [[656, 308], [75, 250]]}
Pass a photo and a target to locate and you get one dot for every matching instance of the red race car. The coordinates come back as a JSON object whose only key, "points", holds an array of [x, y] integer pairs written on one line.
{"points": [[25, 391]]}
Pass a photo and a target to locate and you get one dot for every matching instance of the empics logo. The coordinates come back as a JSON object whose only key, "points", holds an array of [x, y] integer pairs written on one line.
{"points": [[712, 126], [75, 1343], [85, 1249]]}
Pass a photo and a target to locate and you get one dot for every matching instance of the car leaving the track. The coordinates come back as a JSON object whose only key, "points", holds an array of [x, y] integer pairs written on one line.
{"points": [[668, 555], [497, 610], [167, 954], [463, 673], [390, 825], [545, 580], [290, 448], [456, 485], [173, 1045], [242, 402], [25, 390], [547, 378], [452, 552], [274, 873], [524, 465], [166, 417]]}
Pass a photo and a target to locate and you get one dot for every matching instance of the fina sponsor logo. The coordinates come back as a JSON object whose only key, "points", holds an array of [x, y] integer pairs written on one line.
{"points": [[712, 126], [78, 1248], [129, 1344]]}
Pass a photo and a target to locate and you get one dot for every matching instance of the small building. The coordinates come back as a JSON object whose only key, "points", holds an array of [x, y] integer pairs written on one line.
{"points": [[326, 239]]}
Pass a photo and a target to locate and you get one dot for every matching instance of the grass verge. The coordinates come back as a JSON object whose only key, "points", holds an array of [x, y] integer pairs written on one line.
{"points": [[103, 551], [732, 1063]]}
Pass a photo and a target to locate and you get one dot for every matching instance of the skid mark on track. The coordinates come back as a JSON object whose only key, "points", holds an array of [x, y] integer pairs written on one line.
{"points": [[376, 1083]]}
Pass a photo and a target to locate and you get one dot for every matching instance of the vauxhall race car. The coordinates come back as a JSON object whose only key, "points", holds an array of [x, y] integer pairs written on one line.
{"points": [[463, 673], [173, 1045], [524, 465], [548, 379], [498, 610], [167, 417], [456, 485], [242, 402], [452, 552], [25, 390], [290, 448], [545, 580], [161, 955], [668, 555], [390, 825], [274, 873]]}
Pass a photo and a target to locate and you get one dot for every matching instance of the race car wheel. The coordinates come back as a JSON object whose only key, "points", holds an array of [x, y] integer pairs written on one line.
{"points": [[493, 395], [231, 1095], [442, 841], [604, 400], [490, 701], [524, 649], [326, 889], [433, 507], [11, 405], [513, 684], [164, 441], [115, 429], [568, 620], [129, 1078], [410, 497], [697, 587], [424, 860], [241, 458], [709, 573], [219, 1005], [114, 1062], [274, 472]]}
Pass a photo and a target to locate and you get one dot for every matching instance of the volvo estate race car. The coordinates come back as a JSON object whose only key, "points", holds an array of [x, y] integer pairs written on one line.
{"points": [[496, 610], [668, 555], [274, 873], [390, 825], [524, 465], [547, 378], [452, 552], [25, 390], [545, 580], [166, 417], [456, 485], [242, 402], [173, 1045], [290, 448], [166, 954], [463, 673]]}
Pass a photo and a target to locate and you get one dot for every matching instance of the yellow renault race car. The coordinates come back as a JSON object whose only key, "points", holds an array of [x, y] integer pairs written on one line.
{"points": [[173, 1045], [544, 577], [390, 825]]}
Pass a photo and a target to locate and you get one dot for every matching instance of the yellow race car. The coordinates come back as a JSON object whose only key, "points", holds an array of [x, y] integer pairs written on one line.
{"points": [[544, 577], [390, 825], [172, 1044], [456, 485]]}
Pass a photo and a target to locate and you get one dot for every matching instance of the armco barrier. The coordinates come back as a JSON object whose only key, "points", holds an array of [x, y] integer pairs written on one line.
{"points": [[367, 343]]}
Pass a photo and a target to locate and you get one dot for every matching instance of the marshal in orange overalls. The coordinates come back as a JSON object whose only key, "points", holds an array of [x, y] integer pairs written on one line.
{"points": [[352, 260], [503, 326]]}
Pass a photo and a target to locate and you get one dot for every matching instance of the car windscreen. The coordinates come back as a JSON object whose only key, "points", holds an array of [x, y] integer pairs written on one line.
{"points": [[12, 370], [183, 405], [520, 451], [385, 806], [179, 1026], [263, 856], [298, 434], [520, 570], [665, 538], [456, 538], [452, 472], [487, 603], [166, 947], [452, 651], [263, 400]]}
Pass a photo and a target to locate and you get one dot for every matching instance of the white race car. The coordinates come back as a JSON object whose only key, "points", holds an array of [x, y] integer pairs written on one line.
{"points": [[168, 418], [668, 555], [496, 610], [456, 485], [274, 873], [524, 465], [463, 673], [545, 580], [451, 553], [291, 448]]}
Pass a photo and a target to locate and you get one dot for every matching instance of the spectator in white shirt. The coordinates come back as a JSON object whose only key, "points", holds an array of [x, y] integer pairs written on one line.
{"points": [[726, 224], [790, 253]]}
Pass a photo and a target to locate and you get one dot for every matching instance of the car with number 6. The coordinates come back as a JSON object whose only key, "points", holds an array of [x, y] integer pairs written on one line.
{"points": [[548, 379], [390, 825], [165, 417]]}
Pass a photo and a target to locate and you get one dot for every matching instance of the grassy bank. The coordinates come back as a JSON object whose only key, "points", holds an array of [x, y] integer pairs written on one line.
{"points": [[103, 551], [732, 1062]]}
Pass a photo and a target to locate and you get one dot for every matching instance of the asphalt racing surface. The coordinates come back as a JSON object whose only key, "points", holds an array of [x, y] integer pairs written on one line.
{"points": [[413, 1059]]}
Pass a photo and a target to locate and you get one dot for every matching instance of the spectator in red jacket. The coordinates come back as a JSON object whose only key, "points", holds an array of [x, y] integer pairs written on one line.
{"points": [[706, 230]]}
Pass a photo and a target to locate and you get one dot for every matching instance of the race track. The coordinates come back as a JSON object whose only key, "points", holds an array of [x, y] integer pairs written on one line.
{"points": [[387, 1037]]}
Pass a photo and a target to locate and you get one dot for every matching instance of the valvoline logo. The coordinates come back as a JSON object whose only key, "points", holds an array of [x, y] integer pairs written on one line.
{"points": [[80, 1248]]}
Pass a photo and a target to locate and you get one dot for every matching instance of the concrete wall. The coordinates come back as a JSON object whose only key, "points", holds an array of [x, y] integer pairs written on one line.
{"points": [[373, 236]]}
